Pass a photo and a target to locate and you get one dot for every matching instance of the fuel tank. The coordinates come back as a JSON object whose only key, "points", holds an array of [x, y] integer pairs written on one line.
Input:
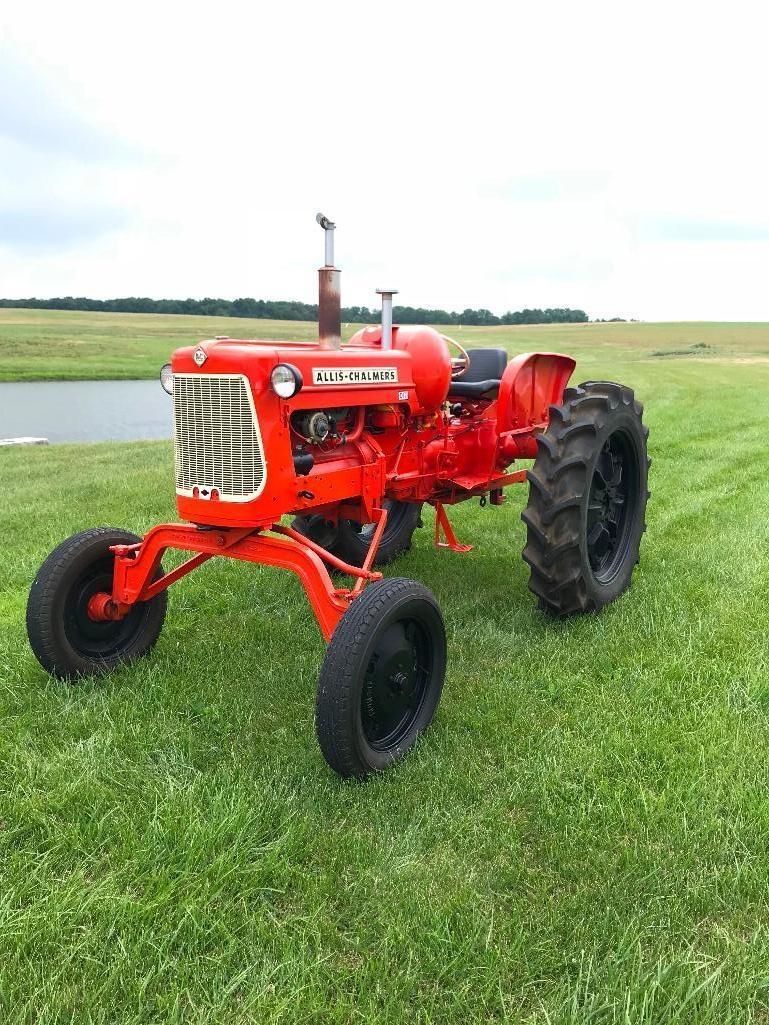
{"points": [[430, 362]]}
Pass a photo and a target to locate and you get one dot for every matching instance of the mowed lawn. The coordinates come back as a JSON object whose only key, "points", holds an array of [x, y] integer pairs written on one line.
{"points": [[582, 836], [60, 345]]}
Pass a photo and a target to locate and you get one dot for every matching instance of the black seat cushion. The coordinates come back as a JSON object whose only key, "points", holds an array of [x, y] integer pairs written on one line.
{"points": [[482, 377], [485, 365]]}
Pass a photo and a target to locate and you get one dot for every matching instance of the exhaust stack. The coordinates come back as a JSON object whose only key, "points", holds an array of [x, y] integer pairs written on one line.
{"points": [[329, 296], [387, 315]]}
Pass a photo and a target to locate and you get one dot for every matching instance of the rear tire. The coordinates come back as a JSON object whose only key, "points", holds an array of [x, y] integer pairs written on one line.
{"points": [[381, 678], [351, 541], [65, 640], [587, 499]]}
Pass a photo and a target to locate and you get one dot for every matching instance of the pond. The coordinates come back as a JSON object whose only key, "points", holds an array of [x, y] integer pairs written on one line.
{"points": [[85, 410]]}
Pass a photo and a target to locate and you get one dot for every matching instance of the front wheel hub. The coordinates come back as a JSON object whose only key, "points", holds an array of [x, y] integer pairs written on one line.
{"points": [[395, 683], [102, 609]]}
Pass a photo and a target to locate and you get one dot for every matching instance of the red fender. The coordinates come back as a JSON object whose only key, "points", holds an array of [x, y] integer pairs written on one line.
{"points": [[531, 383]]}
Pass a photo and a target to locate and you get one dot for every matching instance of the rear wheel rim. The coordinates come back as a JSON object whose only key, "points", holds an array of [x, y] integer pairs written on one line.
{"points": [[396, 682], [611, 506], [98, 640]]}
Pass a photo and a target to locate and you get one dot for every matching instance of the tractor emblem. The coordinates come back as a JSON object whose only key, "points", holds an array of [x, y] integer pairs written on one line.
{"points": [[199, 356]]}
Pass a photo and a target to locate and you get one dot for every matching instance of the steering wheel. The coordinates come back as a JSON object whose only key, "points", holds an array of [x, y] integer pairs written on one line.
{"points": [[459, 364]]}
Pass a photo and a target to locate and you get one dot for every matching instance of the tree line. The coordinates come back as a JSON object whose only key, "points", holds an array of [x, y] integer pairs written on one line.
{"points": [[268, 309]]}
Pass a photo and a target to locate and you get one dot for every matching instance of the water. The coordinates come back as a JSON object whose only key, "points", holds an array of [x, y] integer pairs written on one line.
{"points": [[85, 410]]}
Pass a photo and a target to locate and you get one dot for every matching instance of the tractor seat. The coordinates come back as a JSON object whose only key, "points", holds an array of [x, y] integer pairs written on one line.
{"points": [[482, 377]]}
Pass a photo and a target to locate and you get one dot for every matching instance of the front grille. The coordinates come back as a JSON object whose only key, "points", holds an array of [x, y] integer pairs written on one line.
{"points": [[217, 440]]}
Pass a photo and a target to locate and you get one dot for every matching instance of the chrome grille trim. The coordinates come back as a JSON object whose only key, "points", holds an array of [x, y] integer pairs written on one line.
{"points": [[217, 442]]}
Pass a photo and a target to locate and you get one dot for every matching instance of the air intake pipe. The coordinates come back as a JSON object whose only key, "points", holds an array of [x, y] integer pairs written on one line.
{"points": [[387, 315], [329, 296]]}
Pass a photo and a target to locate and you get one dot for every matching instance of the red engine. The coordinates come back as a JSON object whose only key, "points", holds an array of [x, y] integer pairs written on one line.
{"points": [[362, 423]]}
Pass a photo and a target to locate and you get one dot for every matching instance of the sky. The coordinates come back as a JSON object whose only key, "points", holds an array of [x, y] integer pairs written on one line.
{"points": [[607, 156]]}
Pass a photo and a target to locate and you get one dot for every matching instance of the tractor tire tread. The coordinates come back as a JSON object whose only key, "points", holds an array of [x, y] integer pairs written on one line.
{"points": [[337, 682], [558, 483], [43, 596]]}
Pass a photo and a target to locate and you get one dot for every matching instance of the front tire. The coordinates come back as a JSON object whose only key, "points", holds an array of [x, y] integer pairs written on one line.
{"points": [[381, 678], [66, 641], [587, 499]]}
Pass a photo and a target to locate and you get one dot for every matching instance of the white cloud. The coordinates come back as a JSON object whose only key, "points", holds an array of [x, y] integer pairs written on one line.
{"points": [[595, 155]]}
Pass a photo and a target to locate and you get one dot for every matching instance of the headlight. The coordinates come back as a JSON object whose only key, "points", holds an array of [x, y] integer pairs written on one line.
{"points": [[286, 380], [167, 378]]}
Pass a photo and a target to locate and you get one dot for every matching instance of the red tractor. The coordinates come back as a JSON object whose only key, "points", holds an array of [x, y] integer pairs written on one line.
{"points": [[352, 440]]}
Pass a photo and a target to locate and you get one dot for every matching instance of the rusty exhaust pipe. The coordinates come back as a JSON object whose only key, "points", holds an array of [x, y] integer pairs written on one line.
{"points": [[329, 295]]}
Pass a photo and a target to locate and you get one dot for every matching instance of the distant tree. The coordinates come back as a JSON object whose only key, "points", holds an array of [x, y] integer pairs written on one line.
{"points": [[282, 309]]}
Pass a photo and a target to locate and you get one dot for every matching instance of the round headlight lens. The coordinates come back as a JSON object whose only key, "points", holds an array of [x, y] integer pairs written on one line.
{"points": [[167, 378], [286, 380]]}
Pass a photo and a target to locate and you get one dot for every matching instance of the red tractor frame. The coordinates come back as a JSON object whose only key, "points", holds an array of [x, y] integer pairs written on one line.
{"points": [[352, 440]]}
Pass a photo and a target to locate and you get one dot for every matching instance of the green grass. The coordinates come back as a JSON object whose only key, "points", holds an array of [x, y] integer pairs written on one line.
{"points": [[580, 838], [55, 345]]}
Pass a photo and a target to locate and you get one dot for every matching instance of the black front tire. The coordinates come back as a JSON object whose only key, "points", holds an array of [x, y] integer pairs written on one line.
{"points": [[65, 640], [587, 499], [381, 678], [351, 541]]}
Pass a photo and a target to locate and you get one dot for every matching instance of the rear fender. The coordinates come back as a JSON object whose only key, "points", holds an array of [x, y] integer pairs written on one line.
{"points": [[531, 383]]}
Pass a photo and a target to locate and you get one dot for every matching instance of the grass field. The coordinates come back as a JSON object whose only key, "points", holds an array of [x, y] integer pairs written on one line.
{"points": [[582, 837], [54, 345]]}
